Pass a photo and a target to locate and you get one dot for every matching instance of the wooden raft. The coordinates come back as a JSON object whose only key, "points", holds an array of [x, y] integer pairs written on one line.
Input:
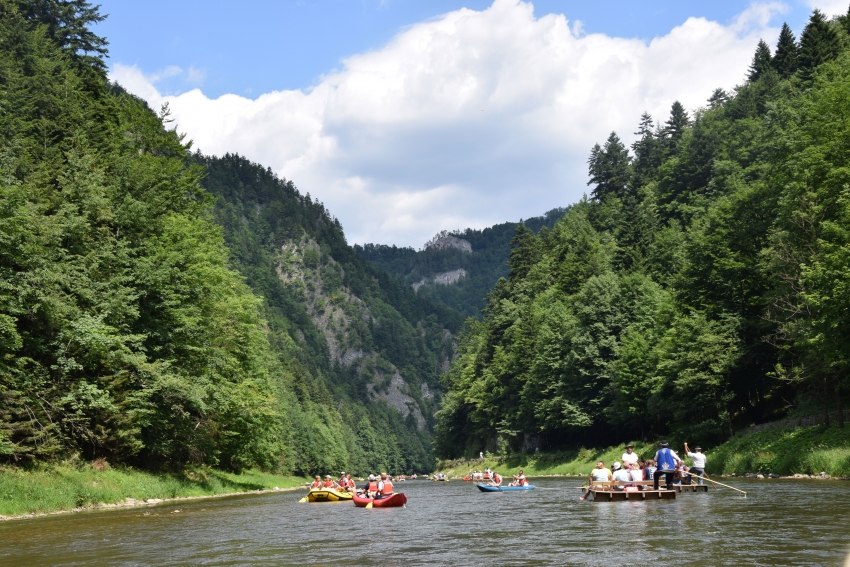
{"points": [[604, 492]]}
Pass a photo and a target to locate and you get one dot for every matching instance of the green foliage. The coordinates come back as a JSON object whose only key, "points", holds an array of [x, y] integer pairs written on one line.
{"points": [[696, 298]]}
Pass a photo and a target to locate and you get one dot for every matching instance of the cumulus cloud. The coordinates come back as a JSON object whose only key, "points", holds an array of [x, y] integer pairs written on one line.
{"points": [[469, 119], [829, 7]]}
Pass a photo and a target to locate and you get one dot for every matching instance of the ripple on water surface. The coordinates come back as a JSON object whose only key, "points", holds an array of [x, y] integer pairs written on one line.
{"points": [[780, 523]]}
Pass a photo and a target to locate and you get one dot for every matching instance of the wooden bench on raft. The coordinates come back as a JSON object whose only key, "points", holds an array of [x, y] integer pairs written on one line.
{"points": [[603, 491]]}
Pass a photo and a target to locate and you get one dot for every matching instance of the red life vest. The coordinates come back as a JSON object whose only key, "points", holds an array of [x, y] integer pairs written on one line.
{"points": [[350, 483], [388, 488], [496, 478], [316, 484], [373, 487], [328, 483]]}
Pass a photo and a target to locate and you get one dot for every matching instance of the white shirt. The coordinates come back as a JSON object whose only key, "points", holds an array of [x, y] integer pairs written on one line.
{"points": [[622, 475], [630, 457], [698, 459]]}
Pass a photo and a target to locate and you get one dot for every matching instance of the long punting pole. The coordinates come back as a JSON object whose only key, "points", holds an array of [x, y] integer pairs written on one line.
{"points": [[720, 483]]}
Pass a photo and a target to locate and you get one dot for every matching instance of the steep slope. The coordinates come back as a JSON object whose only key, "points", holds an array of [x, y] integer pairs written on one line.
{"points": [[351, 327], [456, 269]]}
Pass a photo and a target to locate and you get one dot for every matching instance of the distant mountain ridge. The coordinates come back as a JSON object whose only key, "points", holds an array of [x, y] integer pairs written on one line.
{"points": [[456, 269]]}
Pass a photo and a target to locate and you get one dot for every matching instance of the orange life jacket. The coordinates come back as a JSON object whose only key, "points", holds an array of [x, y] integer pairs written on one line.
{"points": [[496, 478], [328, 484], [373, 487], [388, 488], [316, 484], [350, 483]]}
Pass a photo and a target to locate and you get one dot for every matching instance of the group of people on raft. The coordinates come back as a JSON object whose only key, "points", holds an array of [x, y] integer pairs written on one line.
{"points": [[518, 479], [380, 486], [666, 463]]}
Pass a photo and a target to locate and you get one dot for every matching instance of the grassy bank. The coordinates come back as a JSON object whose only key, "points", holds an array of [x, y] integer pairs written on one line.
{"points": [[799, 450], [61, 487]]}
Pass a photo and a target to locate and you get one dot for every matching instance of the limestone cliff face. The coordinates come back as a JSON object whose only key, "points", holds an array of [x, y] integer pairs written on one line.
{"points": [[344, 320], [443, 278], [445, 240]]}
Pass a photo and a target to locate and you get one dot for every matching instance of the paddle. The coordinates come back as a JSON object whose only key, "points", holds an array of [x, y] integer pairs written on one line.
{"points": [[369, 505]]}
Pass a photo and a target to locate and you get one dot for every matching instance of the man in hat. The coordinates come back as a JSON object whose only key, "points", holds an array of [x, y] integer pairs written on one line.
{"points": [[629, 457], [665, 460], [698, 460]]}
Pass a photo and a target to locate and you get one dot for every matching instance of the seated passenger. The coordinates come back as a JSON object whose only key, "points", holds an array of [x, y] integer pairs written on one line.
{"points": [[385, 487], [329, 482], [620, 475], [635, 475], [317, 483], [599, 474]]}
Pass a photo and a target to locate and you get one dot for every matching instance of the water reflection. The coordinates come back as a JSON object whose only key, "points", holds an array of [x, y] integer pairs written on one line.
{"points": [[780, 523]]}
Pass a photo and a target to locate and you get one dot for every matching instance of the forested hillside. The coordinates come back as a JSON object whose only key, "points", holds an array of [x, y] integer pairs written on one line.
{"points": [[130, 332], [702, 287], [450, 273]]}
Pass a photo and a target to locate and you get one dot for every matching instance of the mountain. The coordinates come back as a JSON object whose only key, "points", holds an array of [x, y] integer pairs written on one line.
{"points": [[456, 269], [702, 288], [334, 319]]}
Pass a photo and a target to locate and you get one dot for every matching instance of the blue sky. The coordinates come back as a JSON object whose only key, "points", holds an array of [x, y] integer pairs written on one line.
{"points": [[253, 47], [406, 118]]}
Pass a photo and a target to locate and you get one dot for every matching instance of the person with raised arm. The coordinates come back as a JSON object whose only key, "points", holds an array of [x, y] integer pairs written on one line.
{"points": [[698, 459]]}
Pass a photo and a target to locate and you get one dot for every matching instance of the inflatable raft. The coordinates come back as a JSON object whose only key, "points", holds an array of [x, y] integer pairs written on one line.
{"points": [[327, 495], [488, 488], [393, 501]]}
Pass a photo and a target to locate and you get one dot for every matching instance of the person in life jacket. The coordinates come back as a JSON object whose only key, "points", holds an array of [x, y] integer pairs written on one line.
{"points": [[349, 483], [372, 487], [495, 479], [329, 482], [385, 487], [342, 482], [317, 483]]}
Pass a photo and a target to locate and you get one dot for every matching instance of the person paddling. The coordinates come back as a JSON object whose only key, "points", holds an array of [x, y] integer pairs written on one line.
{"points": [[385, 487], [495, 479], [698, 460]]}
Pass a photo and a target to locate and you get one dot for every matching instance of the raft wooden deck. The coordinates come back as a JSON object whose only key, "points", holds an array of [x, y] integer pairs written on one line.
{"points": [[605, 492], [691, 487], [600, 495]]}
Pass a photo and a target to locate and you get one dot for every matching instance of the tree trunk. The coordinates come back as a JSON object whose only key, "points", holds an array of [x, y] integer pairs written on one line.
{"points": [[825, 406], [838, 408]]}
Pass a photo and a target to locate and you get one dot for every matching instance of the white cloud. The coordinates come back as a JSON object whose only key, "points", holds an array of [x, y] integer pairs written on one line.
{"points": [[469, 119], [829, 7]]}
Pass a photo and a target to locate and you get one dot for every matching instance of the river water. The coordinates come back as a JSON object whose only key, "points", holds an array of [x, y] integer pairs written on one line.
{"points": [[781, 522]]}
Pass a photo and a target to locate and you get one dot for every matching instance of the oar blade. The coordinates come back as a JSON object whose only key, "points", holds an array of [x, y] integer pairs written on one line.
{"points": [[369, 505], [303, 500]]}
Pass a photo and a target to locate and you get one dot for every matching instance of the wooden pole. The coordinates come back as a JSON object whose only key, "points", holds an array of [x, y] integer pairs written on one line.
{"points": [[721, 484], [704, 476]]}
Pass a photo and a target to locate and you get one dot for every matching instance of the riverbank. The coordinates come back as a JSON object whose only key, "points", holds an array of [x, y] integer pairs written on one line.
{"points": [[64, 488], [782, 451]]}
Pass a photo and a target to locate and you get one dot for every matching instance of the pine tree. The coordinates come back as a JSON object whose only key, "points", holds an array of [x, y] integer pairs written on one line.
{"points": [[785, 59], [675, 126], [819, 43], [647, 155], [68, 23], [609, 168], [761, 61], [718, 98]]}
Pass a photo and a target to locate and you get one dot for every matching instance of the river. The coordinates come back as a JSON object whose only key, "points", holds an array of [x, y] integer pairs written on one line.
{"points": [[781, 522]]}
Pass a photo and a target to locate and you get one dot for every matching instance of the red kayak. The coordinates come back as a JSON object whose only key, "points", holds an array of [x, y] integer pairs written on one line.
{"points": [[393, 501]]}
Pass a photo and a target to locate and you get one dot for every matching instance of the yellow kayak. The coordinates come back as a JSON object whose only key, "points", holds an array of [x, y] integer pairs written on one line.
{"points": [[327, 495]]}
